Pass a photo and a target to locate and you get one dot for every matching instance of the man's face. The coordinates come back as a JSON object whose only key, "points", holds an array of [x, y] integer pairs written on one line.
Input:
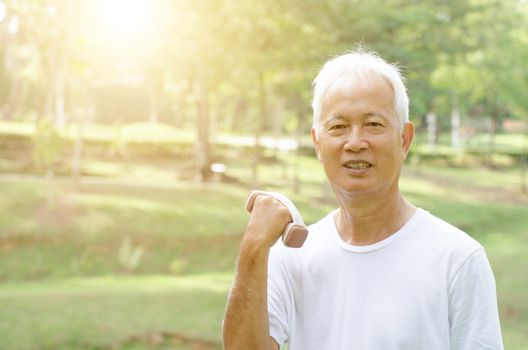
{"points": [[361, 142]]}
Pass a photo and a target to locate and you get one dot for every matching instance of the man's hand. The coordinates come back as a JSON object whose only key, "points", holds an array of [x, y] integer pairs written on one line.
{"points": [[268, 219]]}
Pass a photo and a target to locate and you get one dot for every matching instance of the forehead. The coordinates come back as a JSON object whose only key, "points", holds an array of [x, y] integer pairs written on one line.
{"points": [[356, 93]]}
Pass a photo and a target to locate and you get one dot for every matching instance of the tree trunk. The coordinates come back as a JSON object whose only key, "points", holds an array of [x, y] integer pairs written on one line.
{"points": [[59, 66], [239, 112], [221, 107], [430, 120], [77, 152], [16, 97], [78, 146], [202, 155], [494, 116], [259, 126], [48, 104], [491, 140], [275, 112], [455, 124], [298, 134], [60, 115], [524, 160]]}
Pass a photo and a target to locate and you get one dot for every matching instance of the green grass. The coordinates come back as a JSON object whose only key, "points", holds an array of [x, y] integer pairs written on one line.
{"points": [[63, 285], [105, 311]]}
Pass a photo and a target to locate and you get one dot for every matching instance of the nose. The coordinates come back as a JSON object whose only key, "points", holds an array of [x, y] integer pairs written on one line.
{"points": [[355, 140]]}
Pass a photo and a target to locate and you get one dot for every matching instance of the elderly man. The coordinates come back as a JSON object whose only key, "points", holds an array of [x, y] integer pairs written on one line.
{"points": [[377, 273]]}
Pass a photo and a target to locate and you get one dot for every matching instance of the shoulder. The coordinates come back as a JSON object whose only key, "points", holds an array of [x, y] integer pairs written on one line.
{"points": [[446, 234], [444, 242]]}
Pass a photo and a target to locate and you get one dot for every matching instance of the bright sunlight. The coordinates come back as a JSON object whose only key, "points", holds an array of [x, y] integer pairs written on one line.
{"points": [[124, 21], [125, 17]]}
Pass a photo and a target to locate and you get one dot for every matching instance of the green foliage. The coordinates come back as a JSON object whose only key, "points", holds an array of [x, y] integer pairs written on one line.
{"points": [[226, 45]]}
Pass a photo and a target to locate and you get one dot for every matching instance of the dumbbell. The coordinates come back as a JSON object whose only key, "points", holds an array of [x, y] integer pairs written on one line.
{"points": [[295, 232]]}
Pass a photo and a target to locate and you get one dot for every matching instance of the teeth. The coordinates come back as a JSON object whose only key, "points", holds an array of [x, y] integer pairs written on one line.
{"points": [[361, 165]]}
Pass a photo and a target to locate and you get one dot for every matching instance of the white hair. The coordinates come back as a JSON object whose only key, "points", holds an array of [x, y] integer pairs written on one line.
{"points": [[359, 64]]}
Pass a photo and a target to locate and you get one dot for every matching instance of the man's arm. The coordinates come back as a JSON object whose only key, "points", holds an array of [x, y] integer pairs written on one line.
{"points": [[246, 324], [473, 313]]}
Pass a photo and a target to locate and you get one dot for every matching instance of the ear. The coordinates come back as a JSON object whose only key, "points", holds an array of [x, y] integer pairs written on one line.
{"points": [[315, 141], [407, 138]]}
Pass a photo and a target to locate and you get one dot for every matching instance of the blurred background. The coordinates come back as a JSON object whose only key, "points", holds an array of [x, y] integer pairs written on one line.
{"points": [[132, 130]]}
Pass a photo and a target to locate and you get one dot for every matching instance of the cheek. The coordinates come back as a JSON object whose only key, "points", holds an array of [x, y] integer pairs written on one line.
{"points": [[389, 150], [328, 150]]}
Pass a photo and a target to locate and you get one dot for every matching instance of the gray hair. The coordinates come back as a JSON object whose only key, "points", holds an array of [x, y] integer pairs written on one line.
{"points": [[359, 63]]}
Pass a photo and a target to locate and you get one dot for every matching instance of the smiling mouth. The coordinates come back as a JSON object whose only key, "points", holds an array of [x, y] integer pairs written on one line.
{"points": [[357, 165]]}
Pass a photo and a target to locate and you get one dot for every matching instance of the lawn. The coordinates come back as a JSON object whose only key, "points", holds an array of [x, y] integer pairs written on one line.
{"points": [[141, 259]]}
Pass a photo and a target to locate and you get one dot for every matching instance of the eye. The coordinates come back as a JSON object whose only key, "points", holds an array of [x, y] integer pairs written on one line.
{"points": [[374, 124], [337, 127]]}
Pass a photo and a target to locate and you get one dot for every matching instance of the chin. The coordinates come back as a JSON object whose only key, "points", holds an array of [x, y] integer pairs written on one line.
{"points": [[352, 188]]}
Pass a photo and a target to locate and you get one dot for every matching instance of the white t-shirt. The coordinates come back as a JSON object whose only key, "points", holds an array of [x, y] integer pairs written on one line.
{"points": [[428, 286]]}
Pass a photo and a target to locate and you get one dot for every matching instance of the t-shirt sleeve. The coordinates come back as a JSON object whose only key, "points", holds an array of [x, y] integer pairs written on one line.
{"points": [[473, 313], [279, 295]]}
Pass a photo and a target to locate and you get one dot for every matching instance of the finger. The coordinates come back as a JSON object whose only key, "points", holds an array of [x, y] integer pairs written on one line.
{"points": [[250, 201]]}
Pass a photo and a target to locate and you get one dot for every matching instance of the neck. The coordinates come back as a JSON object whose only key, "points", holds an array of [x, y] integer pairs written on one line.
{"points": [[365, 221]]}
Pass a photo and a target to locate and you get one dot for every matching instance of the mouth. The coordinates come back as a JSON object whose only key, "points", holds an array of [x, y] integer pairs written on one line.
{"points": [[357, 165]]}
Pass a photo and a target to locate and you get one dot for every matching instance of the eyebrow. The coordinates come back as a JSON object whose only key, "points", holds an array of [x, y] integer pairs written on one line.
{"points": [[336, 117], [368, 114], [375, 114]]}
